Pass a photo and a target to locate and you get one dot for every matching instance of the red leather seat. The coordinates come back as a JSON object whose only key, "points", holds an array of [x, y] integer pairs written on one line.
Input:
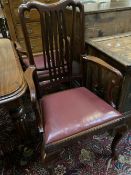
{"points": [[73, 111]]}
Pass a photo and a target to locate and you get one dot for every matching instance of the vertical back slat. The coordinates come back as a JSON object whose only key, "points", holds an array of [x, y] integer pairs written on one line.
{"points": [[47, 45], [56, 43], [60, 42], [67, 56], [25, 32], [52, 58], [42, 22], [82, 20], [73, 34]]}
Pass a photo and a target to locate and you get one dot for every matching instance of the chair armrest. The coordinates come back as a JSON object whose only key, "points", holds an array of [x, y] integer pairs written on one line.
{"points": [[101, 63], [28, 74], [112, 83], [19, 49]]}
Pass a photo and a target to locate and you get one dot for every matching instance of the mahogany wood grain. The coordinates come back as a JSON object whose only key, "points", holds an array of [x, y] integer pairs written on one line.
{"points": [[12, 83]]}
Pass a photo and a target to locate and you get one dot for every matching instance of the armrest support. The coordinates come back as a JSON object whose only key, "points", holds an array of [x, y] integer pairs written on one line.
{"points": [[112, 82], [28, 74]]}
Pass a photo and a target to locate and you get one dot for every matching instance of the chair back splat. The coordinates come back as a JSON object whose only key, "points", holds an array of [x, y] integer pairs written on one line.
{"points": [[58, 39]]}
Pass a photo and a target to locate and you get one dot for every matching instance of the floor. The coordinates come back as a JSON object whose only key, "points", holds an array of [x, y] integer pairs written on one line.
{"points": [[86, 157], [89, 157]]}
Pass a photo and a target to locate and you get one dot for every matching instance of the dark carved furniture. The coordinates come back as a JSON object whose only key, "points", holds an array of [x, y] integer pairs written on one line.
{"points": [[70, 114], [7, 138], [3, 24], [3, 28], [115, 50]]}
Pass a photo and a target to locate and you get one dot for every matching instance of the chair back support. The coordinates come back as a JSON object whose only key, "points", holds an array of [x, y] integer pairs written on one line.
{"points": [[58, 43]]}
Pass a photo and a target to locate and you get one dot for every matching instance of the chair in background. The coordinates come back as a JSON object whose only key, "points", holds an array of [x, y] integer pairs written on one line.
{"points": [[72, 114]]}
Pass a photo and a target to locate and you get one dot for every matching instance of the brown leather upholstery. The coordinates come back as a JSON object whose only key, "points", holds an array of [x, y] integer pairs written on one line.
{"points": [[73, 111]]}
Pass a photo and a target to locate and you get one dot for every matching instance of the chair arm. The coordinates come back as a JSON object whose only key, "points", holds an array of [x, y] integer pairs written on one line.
{"points": [[19, 49], [28, 74], [112, 82], [101, 63]]}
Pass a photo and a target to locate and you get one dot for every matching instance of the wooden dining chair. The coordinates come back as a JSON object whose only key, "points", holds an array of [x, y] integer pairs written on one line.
{"points": [[72, 114]]}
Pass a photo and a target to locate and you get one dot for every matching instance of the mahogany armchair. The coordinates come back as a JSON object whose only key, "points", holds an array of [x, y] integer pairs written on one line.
{"points": [[72, 114]]}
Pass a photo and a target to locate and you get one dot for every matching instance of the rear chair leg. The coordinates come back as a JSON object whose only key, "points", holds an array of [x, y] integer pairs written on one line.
{"points": [[120, 131], [50, 157]]}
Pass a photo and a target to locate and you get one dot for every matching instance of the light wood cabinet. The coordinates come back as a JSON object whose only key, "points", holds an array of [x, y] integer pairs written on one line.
{"points": [[99, 21], [10, 8]]}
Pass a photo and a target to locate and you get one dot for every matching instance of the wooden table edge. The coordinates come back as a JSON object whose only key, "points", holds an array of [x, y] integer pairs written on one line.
{"points": [[15, 95]]}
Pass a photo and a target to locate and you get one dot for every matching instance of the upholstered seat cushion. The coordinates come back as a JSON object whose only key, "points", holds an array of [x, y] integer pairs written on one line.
{"points": [[73, 111]]}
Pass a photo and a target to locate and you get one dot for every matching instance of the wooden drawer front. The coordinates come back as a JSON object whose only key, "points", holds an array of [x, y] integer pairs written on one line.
{"points": [[36, 44], [106, 24], [30, 16], [33, 30]]}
